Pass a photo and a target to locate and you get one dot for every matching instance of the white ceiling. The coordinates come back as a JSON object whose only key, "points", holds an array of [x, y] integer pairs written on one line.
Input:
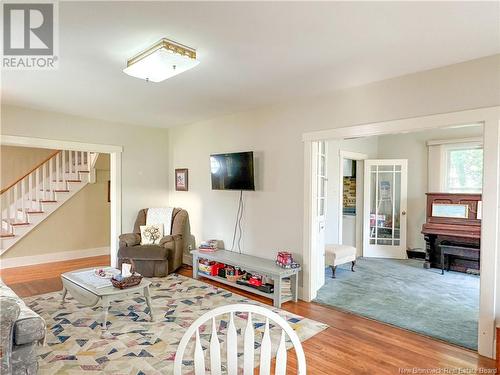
{"points": [[252, 54]]}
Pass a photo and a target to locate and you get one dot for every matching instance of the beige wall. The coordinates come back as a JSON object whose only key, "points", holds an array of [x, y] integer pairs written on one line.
{"points": [[144, 157], [17, 161], [274, 216], [82, 223]]}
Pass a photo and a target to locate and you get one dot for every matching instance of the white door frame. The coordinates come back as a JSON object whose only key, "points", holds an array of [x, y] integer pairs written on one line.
{"points": [[340, 210], [115, 174], [490, 237]]}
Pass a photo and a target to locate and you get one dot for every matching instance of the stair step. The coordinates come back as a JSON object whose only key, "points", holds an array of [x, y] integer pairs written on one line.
{"points": [[32, 212], [46, 200]]}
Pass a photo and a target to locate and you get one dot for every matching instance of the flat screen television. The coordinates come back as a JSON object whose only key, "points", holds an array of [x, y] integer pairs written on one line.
{"points": [[232, 171]]}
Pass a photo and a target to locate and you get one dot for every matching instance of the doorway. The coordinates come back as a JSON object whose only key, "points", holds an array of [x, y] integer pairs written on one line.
{"points": [[115, 179], [350, 200], [387, 286], [490, 194]]}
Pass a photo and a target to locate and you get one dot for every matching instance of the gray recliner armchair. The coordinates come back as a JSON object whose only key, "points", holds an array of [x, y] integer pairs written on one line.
{"points": [[155, 260]]}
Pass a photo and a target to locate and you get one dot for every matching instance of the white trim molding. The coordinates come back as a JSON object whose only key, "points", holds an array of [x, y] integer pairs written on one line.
{"points": [[489, 307], [437, 142], [408, 125], [14, 140], [52, 257]]}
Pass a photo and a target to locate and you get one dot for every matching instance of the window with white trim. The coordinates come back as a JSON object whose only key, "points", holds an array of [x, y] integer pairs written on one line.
{"points": [[463, 172]]}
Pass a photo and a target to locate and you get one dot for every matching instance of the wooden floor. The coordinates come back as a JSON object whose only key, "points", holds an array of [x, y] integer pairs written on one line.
{"points": [[352, 344]]}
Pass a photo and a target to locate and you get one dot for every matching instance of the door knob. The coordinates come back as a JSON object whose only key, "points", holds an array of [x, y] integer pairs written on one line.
{"points": [[403, 213]]}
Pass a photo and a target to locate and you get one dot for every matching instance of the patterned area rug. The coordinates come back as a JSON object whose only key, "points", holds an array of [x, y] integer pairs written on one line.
{"points": [[133, 344]]}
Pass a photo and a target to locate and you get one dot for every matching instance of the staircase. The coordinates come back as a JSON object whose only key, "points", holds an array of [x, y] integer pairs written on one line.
{"points": [[32, 198]]}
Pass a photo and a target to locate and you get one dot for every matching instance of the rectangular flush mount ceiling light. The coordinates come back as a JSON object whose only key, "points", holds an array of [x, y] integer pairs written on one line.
{"points": [[163, 60]]}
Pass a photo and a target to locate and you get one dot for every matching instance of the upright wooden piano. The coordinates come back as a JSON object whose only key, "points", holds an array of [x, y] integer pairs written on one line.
{"points": [[452, 219]]}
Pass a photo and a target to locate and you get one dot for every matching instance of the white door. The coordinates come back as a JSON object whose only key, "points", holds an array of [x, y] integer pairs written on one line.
{"points": [[385, 196], [320, 221]]}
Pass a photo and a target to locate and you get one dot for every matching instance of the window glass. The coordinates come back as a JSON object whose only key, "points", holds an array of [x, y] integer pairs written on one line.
{"points": [[464, 170]]}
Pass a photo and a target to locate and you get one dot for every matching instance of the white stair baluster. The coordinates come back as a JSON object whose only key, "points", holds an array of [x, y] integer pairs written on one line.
{"points": [[70, 162], [23, 198], [232, 347], [15, 202], [9, 206], [280, 368], [249, 347], [265, 352], [88, 161], [30, 191], [5, 204], [64, 170], [58, 177], [44, 179], [199, 358], [51, 183], [1, 214], [37, 188], [215, 364]]}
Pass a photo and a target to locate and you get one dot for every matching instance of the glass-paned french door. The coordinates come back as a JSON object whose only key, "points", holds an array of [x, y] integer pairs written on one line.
{"points": [[320, 200], [385, 197], [322, 180]]}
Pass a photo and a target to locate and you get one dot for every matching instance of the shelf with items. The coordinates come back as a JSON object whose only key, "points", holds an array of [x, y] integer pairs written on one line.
{"points": [[284, 280]]}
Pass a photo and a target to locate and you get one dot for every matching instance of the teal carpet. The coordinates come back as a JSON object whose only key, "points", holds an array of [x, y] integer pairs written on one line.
{"points": [[402, 293]]}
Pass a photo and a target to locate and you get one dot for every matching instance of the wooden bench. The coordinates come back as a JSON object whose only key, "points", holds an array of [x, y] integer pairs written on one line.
{"points": [[461, 252], [252, 264]]}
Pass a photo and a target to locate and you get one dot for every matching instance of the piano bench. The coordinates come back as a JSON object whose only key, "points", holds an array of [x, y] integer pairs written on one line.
{"points": [[461, 252]]}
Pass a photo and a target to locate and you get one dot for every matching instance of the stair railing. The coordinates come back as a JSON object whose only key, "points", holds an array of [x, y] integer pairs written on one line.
{"points": [[40, 184]]}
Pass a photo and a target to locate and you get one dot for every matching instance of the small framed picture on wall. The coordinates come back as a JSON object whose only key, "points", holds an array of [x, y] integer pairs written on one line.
{"points": [[181, 179]]}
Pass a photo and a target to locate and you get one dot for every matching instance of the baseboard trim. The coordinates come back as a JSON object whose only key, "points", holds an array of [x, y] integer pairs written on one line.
{"points": [[53, 257]]}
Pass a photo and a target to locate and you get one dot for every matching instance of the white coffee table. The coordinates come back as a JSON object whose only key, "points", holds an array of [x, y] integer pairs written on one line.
{"points": [[91, 296]]}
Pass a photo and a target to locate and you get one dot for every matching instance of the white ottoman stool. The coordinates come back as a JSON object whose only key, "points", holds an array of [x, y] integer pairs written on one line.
{"points": [[339, 254]]}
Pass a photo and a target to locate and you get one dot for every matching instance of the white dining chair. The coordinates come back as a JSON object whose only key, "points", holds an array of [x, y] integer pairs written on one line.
{"points": [[248, 344]]}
